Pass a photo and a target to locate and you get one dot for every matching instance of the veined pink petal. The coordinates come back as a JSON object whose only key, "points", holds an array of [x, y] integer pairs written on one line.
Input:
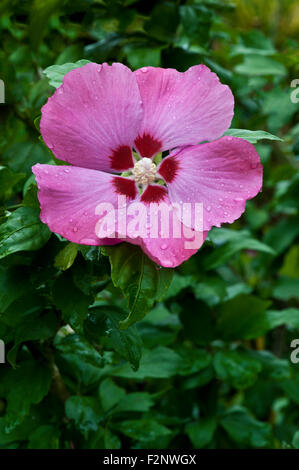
{"points": [[94, 117], [156, 228], [221, 175], [181, 108], [171, 252], [69, 196]]}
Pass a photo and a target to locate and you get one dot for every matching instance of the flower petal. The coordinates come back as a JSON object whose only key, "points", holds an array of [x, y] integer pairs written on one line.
{"points": [[93, 118], [221, 175], [172, 252], [156, 228], [69, 196], [181, 108]]}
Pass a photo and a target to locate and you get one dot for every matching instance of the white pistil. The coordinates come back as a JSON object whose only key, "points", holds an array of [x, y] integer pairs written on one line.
{"points": [[144, 171]]}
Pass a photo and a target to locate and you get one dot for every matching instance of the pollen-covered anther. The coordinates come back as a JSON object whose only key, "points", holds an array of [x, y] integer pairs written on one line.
{"points": [[144, 171]]}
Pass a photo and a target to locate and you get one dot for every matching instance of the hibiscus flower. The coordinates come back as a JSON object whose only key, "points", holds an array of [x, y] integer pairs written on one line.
{"points": [[101, 112]]}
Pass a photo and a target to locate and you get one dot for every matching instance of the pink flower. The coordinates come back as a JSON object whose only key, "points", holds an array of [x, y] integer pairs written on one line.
{"points": [[101, 112]]}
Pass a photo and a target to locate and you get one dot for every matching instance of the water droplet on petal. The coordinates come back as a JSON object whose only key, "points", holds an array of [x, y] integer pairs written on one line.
{"points": [[168, 263], [87, 241]]}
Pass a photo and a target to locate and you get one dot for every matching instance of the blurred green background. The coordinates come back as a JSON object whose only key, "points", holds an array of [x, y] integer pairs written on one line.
{"points": [[215, 368]]}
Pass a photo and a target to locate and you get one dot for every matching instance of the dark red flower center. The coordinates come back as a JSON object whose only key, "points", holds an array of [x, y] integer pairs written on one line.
{"points": [[122, 158], [125, 187], [153, 194], [147, 146], [168, 169]]}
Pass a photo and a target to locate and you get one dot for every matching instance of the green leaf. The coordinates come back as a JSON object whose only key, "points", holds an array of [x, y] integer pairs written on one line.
{"points": [[251, 136], [178, 284], [257, 65], [44, 437], [111, 440], [110, 394], [66, 257], [281, 235], [78, 358], [278, 107], [274, 368], [257, 39], [23, 387], [134, 402], [286, 288], [290, 386], [212, 291], [25, 308], [163, 21], [37, 329], [22, 432], [242, 317], [30, 196], [236, 368], [39, 17], [143, 429], [22, 230], [199, 380], [9, 279], [115, 399], [290, 267], [104, 320], [196, 21], [74, 305], [201, 432], [142, 56], [245, 429], [194, 360], [160, 326], [8, 181], [161, 363], [55, 73], [239, 240], [231, 242], [295, 440], [85, 411], [288, 316], [139, 278]]}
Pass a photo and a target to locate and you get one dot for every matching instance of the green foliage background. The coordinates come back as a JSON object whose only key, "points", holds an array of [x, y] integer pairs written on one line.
{"points": [[209, 365]]}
